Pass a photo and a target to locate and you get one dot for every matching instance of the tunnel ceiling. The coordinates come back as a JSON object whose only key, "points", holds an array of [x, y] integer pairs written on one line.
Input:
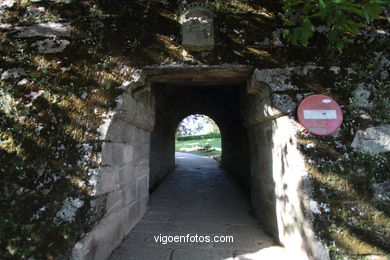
{"points": [[221, 103], [198, 75]]}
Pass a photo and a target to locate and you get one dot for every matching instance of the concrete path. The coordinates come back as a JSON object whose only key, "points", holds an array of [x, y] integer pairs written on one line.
{"points": [[198, 199]]}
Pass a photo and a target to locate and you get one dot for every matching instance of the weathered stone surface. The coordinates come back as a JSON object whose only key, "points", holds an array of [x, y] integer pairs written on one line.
{"points": [[275, 79], [124, 132], [108, 234], [198, 28], [13, 73], [138, 114], [361, 96], [127, 174], [69, 208], [120, 131], [108, 180], [255, 87], [200, 75], [50, 45], [62, 1], [114, 200], [305, 70], [7, 3], [122, 197], [49, 29], [33, 10], [284, 103], [143, 185], [381, 191], [117, 154], [374, 140], [141, 157]]}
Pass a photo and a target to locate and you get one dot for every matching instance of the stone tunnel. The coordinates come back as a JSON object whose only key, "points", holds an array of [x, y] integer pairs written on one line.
{"points": [[259, 151]]}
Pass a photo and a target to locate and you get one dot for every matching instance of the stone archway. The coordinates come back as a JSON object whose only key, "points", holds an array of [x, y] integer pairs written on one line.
{"points": [[258, 138]]}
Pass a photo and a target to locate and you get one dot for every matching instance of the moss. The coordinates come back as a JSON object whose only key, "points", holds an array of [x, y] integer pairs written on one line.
{"points": [[42, 142]]}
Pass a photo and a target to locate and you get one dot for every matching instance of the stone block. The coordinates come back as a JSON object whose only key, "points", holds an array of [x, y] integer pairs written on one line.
{"points": [[141, 154], [122, 197], [141, 170], [361, 96], [127, 174], [108, 180], [117, 154], [198, 36], [7, 3], [130, 193], [13, 73], [198, 28], [49, 29], [109, 233], [128, 108], [120, 131], [141, 136], [142, 186], [255, 87], [373, 140], [381, 191], [114, 200], [284, 103], [51, 45], [276, 79]]}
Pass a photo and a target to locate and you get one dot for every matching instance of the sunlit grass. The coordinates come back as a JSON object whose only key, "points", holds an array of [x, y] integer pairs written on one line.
{"points": [[195, 146]]}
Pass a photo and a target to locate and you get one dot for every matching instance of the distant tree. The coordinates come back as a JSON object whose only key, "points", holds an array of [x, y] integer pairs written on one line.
{"points": [[189, 125], [214, 127], [342, 18], [194, 124]]}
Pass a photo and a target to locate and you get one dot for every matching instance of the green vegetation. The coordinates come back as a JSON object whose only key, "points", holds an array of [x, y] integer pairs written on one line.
{"points": [[197, 137], [342, 18], [211, 146]]}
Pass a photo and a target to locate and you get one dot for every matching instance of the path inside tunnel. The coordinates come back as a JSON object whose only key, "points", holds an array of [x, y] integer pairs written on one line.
{"points": [[197, 198]]}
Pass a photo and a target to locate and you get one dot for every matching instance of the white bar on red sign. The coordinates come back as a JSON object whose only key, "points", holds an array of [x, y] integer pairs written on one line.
{"points": [[319, 114]]}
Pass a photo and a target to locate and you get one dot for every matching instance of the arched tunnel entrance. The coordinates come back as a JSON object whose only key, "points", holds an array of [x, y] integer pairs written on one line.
{"points": [[191, 195], [259, 152], [222, 104]]}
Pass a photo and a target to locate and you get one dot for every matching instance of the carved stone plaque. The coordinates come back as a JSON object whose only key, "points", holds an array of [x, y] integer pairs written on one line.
{"points": [[198, 28]]}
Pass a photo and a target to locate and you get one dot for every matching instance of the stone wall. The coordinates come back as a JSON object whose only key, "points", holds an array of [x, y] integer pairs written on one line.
{"points": [[66, 64], [278, 169], [123, 179]]}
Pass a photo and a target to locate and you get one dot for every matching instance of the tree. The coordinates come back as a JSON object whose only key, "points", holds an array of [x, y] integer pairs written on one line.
{"points": [[343, 19], [189, 125], [195, 124]]}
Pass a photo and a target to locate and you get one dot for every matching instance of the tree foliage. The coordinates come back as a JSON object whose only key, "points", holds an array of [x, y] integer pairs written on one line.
{"points": [[342, 18], [193, 124]]}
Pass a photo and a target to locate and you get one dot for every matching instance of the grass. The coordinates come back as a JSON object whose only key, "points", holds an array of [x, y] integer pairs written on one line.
{"points": [[195, 146]]}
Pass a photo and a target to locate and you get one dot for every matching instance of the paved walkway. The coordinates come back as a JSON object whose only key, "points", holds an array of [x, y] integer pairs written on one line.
{"points": [[198, 199]]}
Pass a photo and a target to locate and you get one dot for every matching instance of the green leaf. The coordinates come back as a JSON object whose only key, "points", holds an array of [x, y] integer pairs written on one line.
{"points": [[352, 10], [340, 45], [285, 33], [289, 23], [322, 4], [371, 11]]}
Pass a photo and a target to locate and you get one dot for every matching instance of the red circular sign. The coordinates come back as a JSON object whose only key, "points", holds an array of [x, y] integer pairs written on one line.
{"points": [[320, 115]]}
